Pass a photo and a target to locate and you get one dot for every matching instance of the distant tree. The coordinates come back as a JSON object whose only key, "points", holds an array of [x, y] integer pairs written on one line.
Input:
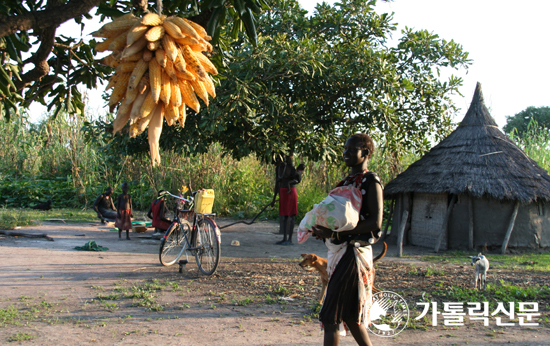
{"points": [[521, 120]]}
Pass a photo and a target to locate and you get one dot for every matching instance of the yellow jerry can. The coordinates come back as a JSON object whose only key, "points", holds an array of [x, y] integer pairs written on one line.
{"points": [[204, 201]]}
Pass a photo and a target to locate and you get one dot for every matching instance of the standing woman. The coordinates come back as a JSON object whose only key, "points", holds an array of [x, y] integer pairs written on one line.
{"points": [[349, 292], [286, 179]]}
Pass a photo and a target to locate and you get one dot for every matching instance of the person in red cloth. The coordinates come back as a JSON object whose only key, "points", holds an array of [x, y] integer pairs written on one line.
{"points": [[124, 212], [286, 179], [157, 212]]}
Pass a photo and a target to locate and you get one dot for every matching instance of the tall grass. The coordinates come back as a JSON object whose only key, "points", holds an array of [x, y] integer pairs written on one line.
{"points": [[535, 142], [53, 160]]}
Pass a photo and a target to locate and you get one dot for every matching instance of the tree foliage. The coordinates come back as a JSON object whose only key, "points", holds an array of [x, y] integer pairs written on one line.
{"points": [[40, 65], [522, 120], [311, 81]]}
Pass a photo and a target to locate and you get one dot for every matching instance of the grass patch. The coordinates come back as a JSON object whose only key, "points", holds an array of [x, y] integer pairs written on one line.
{"points": [[11, 218], [9, 315], [529, 261], [21, 337]]}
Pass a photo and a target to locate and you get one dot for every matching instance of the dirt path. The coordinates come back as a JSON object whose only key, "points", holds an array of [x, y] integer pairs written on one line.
{"points": [[259, 295]]}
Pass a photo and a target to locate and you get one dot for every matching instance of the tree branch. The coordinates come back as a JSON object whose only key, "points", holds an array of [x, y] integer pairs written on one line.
{"points": [[50, 17], [39, 59]]}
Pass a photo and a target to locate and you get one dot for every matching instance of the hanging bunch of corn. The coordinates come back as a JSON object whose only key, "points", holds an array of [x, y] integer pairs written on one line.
{"points": [[159, 71]]}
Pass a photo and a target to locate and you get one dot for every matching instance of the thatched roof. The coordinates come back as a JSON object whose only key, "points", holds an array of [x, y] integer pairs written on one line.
{"points": [[475, 159]]}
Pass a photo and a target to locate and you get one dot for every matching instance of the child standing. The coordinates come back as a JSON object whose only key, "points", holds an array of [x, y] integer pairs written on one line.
{"points": [[124, 212]]}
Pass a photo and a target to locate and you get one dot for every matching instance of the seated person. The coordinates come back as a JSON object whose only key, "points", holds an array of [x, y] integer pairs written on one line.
{"points": [[157, 213], [104, 206]]}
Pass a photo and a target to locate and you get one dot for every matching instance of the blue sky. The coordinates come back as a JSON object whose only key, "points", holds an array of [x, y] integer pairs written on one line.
{"points": [[504, 39]]}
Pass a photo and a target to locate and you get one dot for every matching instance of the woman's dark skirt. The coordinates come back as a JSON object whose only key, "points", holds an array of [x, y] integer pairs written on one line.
{"points": [[342, 298]]}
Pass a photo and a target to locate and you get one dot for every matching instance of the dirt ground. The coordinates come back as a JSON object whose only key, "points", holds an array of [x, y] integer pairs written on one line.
{"points": [[55, 295]]}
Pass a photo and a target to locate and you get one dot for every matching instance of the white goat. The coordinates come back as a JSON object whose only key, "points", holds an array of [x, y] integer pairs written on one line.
{"points": [[482, 266]]}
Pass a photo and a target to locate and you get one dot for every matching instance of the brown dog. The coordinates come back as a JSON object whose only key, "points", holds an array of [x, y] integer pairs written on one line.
{"points": [[313, 262]]}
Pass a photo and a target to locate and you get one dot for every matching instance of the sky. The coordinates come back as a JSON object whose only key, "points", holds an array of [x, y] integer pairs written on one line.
{"points": [[504, 39]]}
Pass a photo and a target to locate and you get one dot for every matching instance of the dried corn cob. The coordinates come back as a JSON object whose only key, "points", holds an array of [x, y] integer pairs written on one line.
{"points": [[185, 28], [179, 63], [136, 106], [147, 55], [122, 117], [119, 42], [188, 96], [194, 63], [152, 46], [137, 73], [124, 22], [200, 90], [110, 60], [134, 48], [171, 114], [126, 67], [120, 90], [155, 33], [182, 115], [155, 78], [161, 57], [107, 33], [175, 95], [147, 106], [206, 63], [136, 33], [172, 29], [185, 75], [133, 57], [187, 40], [153, 135], [170, 47], [169, 69], [198, 28], [103, 46], [209, 86], [165, 88], [151, 19]]}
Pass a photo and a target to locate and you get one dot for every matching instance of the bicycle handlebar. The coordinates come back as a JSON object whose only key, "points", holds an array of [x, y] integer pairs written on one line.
{"points": [[179, 197]]}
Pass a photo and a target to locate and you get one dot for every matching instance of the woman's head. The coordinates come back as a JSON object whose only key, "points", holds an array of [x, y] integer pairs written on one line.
{"points": [[357, 151], [366, 143]]}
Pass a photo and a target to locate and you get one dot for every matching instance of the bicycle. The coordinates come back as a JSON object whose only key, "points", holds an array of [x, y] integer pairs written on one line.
{"points": [[202, 239]]}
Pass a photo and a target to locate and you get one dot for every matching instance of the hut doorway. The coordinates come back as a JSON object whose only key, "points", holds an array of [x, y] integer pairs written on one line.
{"points": [[428, 214]]}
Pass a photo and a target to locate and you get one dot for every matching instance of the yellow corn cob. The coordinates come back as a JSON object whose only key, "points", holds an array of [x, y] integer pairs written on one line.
{"points": [[185, 75], [172, 29], [194, 63], [160, 55], [147, 106], [185, 28], [209, 86], [206, 44], [200, 90], [171, 114], [153, 135], [131, 94], [123, 114], [143, 84], [120, 90], [198, 47], [151, 19], [126, 67], [206, 63], [103, 46], [165, 88], [133, 57], [112, 81], [119, 42], [107, 33], [147, 55], [175, 97], [124, 22], [137, 73], [153, 46], [140, 124], [170, 47], [136, 106], [199, 29], [155, 79], [110, 60], [179, 63], [134, 48], [169, 69], [187, 40], [155, 33], [188, 96], [182, 115], [136, 33]]}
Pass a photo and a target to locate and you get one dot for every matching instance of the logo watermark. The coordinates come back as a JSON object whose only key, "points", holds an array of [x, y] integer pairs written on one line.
{"points": [[389, 314]]}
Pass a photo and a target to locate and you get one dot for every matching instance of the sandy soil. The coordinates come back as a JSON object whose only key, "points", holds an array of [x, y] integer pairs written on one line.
{"points": [[258, 296]]}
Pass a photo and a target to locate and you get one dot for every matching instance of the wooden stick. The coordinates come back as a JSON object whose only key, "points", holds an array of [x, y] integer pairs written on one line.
{"points": [[389, 220], [445, 223], [510, 228], [400, 234], [26, 235], [471, 225]]}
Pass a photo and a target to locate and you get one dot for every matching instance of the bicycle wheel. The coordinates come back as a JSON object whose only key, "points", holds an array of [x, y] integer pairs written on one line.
{"points": [[208, 254], [174, 243]]}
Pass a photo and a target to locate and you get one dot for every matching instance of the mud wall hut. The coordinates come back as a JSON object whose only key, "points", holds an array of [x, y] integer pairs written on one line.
{"points": [[476, 188]]}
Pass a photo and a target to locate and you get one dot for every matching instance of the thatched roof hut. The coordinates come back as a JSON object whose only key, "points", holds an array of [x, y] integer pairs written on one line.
{"points": [[475, 181]]}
